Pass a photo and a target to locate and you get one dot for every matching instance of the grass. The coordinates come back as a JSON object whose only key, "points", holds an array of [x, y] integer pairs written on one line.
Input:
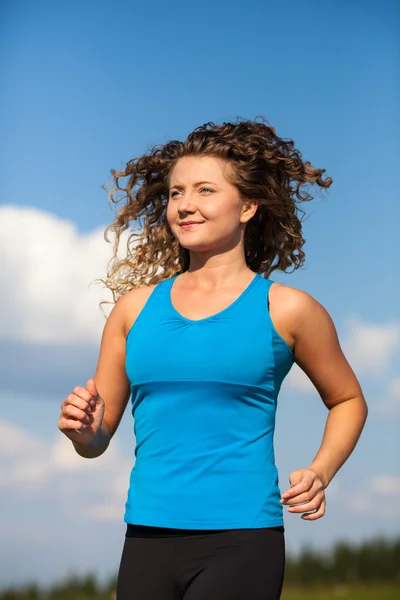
{"points": [[343, 592]]}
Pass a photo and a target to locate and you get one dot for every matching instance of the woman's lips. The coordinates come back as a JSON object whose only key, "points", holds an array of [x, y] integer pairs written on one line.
{"points": [[190, 225]]}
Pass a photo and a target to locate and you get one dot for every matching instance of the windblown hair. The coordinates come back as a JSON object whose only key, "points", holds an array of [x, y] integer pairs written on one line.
{"points": [[264, 167]]}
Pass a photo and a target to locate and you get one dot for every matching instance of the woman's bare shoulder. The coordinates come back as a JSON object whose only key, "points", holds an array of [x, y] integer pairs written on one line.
{"points": [[288, 306], [293, 301], [296, 308], [287, 292], [132, 303]]}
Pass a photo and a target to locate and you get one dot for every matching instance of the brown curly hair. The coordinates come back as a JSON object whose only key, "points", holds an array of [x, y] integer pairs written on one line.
{"points": [[266, 168]]}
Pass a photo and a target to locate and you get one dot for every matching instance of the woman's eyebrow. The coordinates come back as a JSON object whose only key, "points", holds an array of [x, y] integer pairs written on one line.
{"points": [[177, 185]]}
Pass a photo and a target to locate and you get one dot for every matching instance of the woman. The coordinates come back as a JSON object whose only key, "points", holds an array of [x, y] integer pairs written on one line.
{"points": [[202, 340]]}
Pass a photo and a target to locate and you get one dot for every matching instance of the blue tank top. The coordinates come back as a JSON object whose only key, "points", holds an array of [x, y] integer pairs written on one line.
{"points": [[204, 396]]}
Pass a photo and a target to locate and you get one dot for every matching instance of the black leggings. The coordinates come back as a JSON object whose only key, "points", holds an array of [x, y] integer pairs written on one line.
{"points": [[159, 563]]}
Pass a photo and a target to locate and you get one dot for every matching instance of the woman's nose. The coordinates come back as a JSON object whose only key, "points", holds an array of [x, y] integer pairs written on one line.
{"points": [[186, 205]]}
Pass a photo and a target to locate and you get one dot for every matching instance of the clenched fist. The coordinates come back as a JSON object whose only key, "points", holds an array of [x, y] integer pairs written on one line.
{"points": [[82, 414]]}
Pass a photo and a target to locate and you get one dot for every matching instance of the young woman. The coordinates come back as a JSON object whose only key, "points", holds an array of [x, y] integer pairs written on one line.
{"points": [[201, 339]]}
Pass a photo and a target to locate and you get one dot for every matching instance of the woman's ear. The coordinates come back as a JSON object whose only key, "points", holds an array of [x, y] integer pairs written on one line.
{"points": [[249, 210]]}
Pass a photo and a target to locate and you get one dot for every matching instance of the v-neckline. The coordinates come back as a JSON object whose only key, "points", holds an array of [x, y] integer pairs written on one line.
{"points": [[238, 299]]}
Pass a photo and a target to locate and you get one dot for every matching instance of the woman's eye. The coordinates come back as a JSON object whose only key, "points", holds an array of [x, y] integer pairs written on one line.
{"points": [[201, 190]]}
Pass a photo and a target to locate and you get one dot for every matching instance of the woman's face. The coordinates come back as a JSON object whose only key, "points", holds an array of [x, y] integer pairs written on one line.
{"points": [[199, 192]]}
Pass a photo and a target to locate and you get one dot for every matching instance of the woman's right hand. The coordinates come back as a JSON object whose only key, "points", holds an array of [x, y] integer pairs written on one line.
{"points": [[77, 406]]}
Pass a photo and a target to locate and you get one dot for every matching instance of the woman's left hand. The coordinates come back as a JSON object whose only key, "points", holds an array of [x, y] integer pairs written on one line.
{"points": [[307, 488]]}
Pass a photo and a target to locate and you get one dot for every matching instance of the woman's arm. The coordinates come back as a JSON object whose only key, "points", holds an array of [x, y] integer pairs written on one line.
{"points": [[342, 430], [318, 353], [110, 378]]}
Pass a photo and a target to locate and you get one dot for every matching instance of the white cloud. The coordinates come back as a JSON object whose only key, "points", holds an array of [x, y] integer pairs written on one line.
{"points": [[378, 498], [46, 267], [369, 348], [31, 467], [299, 381], [386, 485], [388, 404], [22, 457], [394, 387]]}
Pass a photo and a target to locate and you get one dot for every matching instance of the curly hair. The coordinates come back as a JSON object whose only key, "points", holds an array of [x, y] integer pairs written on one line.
{"points": [[265, 167]]}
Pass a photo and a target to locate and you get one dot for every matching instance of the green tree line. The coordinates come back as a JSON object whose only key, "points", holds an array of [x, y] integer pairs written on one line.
{"points": [[374, 561]]}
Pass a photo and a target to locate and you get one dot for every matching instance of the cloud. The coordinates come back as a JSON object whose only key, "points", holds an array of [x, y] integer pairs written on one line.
{"points": [[385, 485], [299, 381], [369, 348], [378, 498], [388, 403], [55, 473], [46, 267]]}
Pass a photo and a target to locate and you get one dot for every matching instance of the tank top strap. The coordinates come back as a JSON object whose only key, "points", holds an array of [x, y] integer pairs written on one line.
{"points": [[156, 303], [267, 287], [258, 300], [162, 289], [163, 295], [166, 285]]}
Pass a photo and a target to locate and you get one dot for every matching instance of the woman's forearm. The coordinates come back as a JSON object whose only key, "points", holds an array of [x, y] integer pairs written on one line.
{"points": [[343, 428]]}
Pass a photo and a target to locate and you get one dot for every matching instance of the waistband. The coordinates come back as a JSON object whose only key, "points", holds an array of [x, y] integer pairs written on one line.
{"points": [[150, 531]]}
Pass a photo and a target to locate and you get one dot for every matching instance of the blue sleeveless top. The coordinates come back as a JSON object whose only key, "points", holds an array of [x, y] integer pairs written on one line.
{"points": [[204, 396]]}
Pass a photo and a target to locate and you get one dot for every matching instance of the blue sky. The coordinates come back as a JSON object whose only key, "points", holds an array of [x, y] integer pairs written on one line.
{"points": [[86, 87]]}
